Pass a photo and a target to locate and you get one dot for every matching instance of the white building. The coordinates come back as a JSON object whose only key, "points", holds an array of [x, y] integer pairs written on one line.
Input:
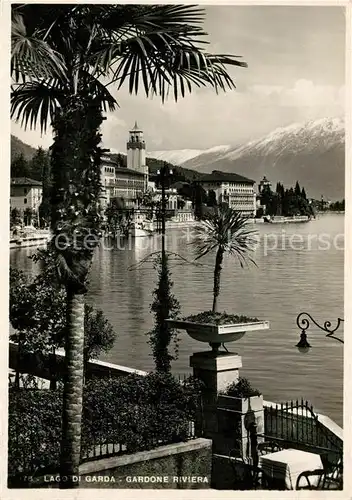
{"points": [[235, 190], [125, 183], [170, 195], [25, 193]]}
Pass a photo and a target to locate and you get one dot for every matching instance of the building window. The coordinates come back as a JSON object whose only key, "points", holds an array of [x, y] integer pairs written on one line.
{"points": [[25, 201], [25, 191]]}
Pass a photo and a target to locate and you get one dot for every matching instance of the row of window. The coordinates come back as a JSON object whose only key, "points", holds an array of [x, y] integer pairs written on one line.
{"points": [[109, 170], [124, 182], [132, 191], [240, 195], [239, 190], [235, 204]]}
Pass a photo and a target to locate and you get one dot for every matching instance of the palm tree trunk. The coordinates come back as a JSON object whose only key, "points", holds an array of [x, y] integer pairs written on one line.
{"points": [[73, 392], [217, 275], [75, 161]]}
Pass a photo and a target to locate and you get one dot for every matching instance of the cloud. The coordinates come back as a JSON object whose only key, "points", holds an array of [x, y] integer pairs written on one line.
{"points": [[303, 94], [204, 119]]}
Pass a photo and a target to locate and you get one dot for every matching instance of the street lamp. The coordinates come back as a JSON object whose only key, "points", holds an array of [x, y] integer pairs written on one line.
{"points": [[303, 323], [163, 174]]}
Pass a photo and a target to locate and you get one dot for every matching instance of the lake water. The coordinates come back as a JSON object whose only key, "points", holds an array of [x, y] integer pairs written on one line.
{"points": [[300, 267]]}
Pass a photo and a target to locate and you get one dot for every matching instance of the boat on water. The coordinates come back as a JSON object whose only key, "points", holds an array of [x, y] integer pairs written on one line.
{"points": [[142, 229], [29, 236], [279, 219]]}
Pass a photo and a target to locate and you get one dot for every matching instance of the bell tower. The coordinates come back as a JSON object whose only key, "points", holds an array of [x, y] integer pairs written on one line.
{"points": [[136, 152]]}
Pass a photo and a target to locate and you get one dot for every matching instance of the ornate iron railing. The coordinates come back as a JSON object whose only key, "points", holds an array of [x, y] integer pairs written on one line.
{"points": [[296, 423]]}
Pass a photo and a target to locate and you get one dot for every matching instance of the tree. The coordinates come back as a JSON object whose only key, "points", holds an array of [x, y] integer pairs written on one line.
{"points": [[29, 215], [99, 335], [304, 194], [59, 55], [181, 204], [270, 200], [119, 217], [20, 167], [44, 208], [147, 203], [38, 314], [225, 231], [200, 198], [297, 189], [38, 164], [211, 199], [15, 218], [164, 306]]}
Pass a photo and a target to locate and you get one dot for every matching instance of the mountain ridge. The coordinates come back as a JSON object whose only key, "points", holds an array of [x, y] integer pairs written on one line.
{"points": [[312, 153]]}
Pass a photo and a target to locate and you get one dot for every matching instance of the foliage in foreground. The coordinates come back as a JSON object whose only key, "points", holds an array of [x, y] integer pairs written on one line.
{"points": [[136, 411], [164, 306], [219, 318], [38, 313], [241, 389]]}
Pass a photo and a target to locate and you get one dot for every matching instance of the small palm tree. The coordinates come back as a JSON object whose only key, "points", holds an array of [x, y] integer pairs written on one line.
{"points": [[225, 231]]}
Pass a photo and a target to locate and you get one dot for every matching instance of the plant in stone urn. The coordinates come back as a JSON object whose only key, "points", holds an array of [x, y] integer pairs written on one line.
{"points": [[223, 231]]}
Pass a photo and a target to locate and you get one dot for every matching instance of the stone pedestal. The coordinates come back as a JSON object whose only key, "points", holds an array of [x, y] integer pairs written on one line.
{"points": [[217, 370], [240, 425]]}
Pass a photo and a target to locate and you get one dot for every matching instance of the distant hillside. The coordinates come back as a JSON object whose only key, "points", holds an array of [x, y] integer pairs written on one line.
{"points": [[155, 164], [312, 153], [18, 147], [180, 173]]}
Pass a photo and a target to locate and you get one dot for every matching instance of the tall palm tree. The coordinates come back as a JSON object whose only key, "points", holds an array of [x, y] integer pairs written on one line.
{"points": [[64, 57], [225, 231]]}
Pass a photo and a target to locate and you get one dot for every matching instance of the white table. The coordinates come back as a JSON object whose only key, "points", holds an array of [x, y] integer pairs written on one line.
{"points": [[287, 465]]}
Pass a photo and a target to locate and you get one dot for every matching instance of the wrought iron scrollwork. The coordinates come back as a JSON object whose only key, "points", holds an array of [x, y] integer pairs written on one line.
{"points": [[303, 322]]}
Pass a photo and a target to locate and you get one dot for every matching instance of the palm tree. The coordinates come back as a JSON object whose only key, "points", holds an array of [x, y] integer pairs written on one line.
{"points": [[64, 57], [225, 231]]}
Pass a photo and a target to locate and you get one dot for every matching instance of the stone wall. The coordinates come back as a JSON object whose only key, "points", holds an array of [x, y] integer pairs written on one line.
{"points": [[177, 466]]}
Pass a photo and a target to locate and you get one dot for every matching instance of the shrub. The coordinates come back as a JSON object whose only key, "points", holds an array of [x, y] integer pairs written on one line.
{"points": [[34, 432], [219, 318], [164, 306], [136, 411], [139, 411], [241, 389]]}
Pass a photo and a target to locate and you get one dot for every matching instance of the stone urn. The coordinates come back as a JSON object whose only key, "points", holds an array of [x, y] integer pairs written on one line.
{"points": [[216, 334]]}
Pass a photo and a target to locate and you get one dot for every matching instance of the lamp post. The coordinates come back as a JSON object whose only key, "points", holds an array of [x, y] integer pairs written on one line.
{"points": [[163, 174], [303, 322]]}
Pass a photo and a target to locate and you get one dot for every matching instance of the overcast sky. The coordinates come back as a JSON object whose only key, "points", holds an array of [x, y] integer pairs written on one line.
{"points": [[296, 68]]}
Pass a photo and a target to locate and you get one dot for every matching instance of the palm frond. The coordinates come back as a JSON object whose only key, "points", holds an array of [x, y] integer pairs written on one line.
{"points": [[160, 47], [31, 57], [36, 102], [226, 229], [100, 92]]}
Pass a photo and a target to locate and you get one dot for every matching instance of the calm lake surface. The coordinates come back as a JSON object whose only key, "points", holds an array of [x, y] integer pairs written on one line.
{"points": [[300, 267]]}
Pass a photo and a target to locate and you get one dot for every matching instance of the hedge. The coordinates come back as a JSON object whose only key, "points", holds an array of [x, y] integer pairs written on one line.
{"points": [[139, 412]]}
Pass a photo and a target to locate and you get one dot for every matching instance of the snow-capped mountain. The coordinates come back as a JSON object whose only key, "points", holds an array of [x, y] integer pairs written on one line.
{"points": [[311, 152], [177, 157]]}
